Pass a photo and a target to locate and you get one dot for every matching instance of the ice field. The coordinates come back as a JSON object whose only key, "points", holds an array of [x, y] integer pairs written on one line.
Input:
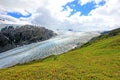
{"points": [[63, 42]]}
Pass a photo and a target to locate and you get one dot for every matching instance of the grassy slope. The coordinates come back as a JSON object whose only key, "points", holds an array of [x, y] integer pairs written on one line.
{"points": [[98, 61]]}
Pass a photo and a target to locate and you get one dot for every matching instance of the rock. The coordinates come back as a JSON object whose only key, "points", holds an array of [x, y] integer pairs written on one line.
{"points": [[11, 37]]}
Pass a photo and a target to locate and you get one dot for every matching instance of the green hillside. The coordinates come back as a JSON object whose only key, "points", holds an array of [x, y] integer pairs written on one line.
{"points": [[100, 60]]}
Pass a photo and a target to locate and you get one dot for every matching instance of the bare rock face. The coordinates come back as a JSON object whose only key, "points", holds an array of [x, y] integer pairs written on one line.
{"points": [[11, 37]]}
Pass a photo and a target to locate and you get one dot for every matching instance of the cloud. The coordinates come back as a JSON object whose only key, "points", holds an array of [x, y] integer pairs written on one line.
{"points": [[9, 18], [50, 13], [23, 7], [44, 17], [102, 18]]}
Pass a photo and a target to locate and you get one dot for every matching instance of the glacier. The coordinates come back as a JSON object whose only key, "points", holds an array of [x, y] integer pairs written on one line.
{"points": [[59, 44]]}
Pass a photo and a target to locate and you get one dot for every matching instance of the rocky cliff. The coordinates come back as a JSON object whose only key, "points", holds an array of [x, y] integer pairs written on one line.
{"points": [[11, 37]]}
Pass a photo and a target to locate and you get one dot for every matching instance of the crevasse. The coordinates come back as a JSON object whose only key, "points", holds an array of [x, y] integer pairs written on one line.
{"points": [[57, 45]]}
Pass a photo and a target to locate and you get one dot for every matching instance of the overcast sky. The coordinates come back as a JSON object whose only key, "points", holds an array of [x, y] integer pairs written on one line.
{"points": [[81, 15]]}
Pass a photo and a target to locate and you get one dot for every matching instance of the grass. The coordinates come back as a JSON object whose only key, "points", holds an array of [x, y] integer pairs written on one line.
{"points": [[98, 61]]}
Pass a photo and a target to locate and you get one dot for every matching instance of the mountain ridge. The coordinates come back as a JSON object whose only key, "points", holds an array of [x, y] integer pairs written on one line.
{"points": [[11, 37]]}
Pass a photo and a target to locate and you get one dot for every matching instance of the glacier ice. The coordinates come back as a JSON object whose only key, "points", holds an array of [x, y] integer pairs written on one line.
{"points": [[62, 43]]}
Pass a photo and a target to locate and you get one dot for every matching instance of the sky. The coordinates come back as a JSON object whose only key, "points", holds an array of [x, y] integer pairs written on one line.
{"points": [[80, 15]]}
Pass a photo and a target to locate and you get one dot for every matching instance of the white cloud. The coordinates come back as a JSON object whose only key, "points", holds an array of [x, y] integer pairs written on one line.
{"points": [[109, 13], [22, 4], [49, 13]]}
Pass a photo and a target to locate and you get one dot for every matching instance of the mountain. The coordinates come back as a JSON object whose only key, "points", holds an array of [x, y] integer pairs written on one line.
{"points": [[11, 37], [99, 60], [63, 42]]}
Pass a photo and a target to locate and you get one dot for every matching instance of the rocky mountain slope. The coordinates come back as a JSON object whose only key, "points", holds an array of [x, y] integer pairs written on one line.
{"points": [[11, 37]]}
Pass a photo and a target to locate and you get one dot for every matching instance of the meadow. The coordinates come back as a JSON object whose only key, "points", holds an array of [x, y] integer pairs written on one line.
{"points": [[99, 60]]}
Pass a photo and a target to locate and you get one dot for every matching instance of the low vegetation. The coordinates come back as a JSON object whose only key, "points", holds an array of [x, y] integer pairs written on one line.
{"points": [[98, 61]]}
